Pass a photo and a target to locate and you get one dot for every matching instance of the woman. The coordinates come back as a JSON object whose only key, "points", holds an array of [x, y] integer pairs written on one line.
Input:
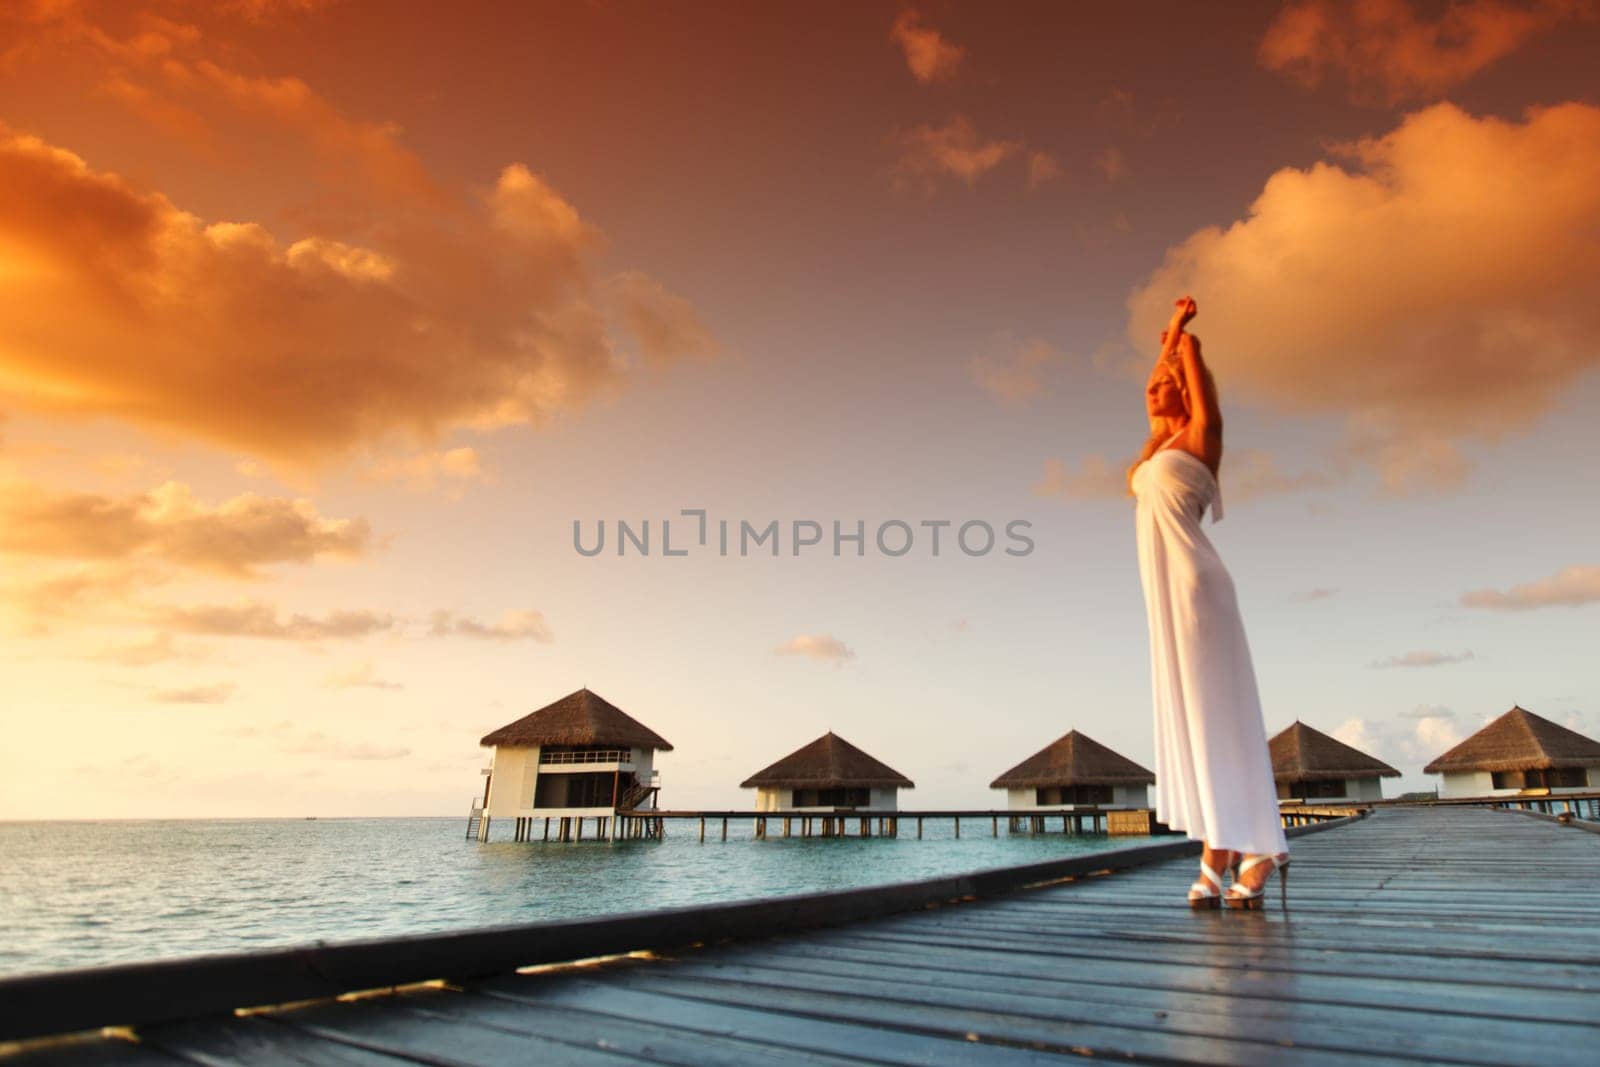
{"points": [[1213, 772]]}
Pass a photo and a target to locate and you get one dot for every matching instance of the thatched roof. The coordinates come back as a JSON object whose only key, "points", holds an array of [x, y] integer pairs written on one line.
{"points": [[1301, 754], [829, 762], [580, 718], [1519, 740], [1073, 759]]}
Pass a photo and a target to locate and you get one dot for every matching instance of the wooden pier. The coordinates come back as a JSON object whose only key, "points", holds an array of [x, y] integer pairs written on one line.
{"points": [[1415, 935], [869, 823]]}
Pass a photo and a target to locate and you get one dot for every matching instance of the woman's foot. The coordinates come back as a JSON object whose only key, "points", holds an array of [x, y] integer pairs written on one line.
{"points": [[1250, 880], [1207, 891]]}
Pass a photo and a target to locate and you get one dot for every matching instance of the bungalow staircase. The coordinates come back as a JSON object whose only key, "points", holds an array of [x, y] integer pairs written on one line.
{"points": [[635, 795]]}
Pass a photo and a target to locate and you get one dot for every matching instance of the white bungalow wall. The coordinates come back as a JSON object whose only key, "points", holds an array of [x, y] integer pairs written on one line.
{"points": [[1481, 784], [775, 799], [512, 775], [1122, 796], [1364, 788]]}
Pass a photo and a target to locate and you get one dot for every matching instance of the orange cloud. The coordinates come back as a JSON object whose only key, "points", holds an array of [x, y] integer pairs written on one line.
{"points": [[823, 647], [98, 591], [666, 327], [1569, 587], [514, 625], [1385, 50], [401, 304], [1435, 288], [167, 523], [1112, 163], [1423, 658], [1096, 478], [198, 694], [1013, 371], [953, 150], [255, 619], [362, 676], [1247, 474], [160, 648], [1042, 169], [929, 56], [426, 470], [300, 350]]}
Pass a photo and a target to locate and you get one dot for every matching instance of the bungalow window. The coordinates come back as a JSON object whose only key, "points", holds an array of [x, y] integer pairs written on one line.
{"points": [[842, 797], [1558, 778], [1319, 790], [1051, 796], [575, 790]]}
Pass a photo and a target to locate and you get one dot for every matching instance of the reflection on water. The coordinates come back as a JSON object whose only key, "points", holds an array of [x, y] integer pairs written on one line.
{"points": [[86, 893]]}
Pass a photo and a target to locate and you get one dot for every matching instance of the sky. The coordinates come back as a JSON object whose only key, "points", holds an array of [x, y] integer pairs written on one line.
{"points": [[331, 331]]}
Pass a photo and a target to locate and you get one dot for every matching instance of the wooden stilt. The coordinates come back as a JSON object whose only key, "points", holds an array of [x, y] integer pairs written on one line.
{"points": [[958, 827], [724, 827], [997, 826], [702, 829], [919, 828]]}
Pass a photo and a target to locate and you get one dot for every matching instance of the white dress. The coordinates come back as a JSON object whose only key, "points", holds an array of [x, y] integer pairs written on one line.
{"points": [[1213, 771]]}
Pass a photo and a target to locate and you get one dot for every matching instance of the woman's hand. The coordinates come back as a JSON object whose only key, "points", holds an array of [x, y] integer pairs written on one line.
{"points": [[1187, 309]]}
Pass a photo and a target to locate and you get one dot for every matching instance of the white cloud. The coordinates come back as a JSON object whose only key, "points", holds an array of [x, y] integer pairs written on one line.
{"points": [[823, 647], [1569, 587], [1424, 658]]}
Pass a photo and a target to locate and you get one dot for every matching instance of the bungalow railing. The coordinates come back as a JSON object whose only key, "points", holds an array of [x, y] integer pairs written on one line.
{"points": [[598, 755], [1584, 806]]}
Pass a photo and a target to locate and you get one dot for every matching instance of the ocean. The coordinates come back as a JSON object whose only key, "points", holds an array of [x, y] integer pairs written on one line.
{"points": [[79, 894]]}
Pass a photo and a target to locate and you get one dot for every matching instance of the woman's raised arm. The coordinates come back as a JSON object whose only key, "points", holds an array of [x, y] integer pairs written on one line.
{"points": [[1205, 416]]}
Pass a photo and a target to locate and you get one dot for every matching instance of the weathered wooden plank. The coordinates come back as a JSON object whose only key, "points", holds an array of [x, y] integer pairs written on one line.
{"points": [[1546, 987], [655, 1041], [1530, 957], [1377, 990], [1148, 1037], [381, 1025], [85, 1052], [1504, 1041], [1300, 1026], [256, 1040], [867, 1039]]}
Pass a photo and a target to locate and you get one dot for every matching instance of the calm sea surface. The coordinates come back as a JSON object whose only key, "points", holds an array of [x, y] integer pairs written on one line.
{"points": [[76, 894]]}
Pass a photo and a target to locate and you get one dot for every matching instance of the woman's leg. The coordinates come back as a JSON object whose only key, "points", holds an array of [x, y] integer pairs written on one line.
{"points": [[1218, 859]]}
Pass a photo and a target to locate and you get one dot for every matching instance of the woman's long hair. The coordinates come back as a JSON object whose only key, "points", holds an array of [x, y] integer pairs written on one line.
{"points": [[1158, 432]]}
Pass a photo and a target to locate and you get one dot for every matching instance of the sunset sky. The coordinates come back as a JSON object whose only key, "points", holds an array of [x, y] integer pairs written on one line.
{"points": [[321, 323]]}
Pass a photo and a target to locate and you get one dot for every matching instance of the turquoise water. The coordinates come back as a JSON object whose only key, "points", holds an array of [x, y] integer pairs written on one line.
{"points": [[77, 894]]}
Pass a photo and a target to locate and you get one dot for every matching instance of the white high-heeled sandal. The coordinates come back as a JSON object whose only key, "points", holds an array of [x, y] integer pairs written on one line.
{"points": [[1207, 889], [1238, 896]]}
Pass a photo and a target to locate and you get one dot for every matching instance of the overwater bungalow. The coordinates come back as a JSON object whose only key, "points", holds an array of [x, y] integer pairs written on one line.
{"points": [[1519, 752], [829, 774], [1075, 770], [578, 758], [1307, 765]]}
